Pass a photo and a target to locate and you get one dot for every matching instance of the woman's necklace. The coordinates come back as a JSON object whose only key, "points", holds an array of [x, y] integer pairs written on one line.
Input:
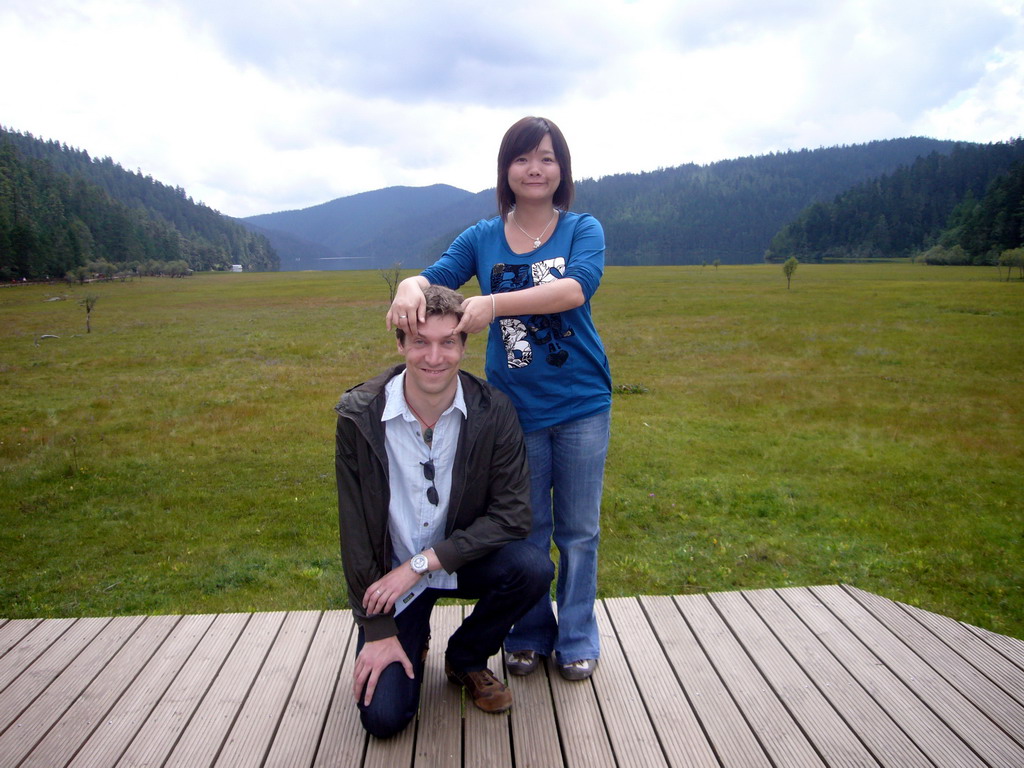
{"points": [[428, 433], [536, 240]]}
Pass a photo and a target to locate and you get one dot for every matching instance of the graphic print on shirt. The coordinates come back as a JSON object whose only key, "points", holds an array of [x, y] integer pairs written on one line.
{"points": [[540, 331]]}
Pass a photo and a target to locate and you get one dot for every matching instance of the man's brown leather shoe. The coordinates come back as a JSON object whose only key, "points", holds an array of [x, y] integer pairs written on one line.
{"points": [[487, 691]]}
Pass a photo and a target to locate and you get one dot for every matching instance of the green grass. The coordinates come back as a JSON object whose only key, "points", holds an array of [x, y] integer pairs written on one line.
{"points": [[864, 427]]}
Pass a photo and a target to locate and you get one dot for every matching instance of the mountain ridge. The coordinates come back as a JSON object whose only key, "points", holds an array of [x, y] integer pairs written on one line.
{"points": [[954, 199], [688, 214], [352, 228], [62, 210], [82, 211]]}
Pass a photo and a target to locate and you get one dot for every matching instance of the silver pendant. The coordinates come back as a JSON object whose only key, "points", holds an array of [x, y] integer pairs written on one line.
{"points": [[536, 243]]}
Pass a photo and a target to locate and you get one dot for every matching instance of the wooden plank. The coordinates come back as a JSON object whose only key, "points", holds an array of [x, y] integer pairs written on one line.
{"points": [[171, 716], [680, 678], [13, 632], [902, 704], [439, 732], [632, 736], [60, 694], [983, 736], [116, 730], [343, 742], [206, 731], [44, 654], [889, 745], [678, 729], [726, 728], [969, 647], [396, 752], [28, 648], [534, 732], [961, 674], [832, 738], [486, 738], [778, 733], [581, 728], [297, 739], [256, 723], [1010, 647], [89, 709]]}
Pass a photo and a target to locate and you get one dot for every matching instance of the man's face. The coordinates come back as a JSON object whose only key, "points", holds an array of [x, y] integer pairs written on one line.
{"points": [[433, 356]]}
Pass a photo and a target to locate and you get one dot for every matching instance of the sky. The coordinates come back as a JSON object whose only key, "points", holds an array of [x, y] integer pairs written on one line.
{"points": [[270, 105]]}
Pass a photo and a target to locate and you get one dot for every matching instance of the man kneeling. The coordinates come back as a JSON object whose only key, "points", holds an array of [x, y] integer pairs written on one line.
{"points": [[433, 501]]}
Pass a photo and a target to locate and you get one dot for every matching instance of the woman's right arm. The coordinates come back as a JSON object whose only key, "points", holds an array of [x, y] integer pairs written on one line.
{"points": [[407, 310], [455, 267]]}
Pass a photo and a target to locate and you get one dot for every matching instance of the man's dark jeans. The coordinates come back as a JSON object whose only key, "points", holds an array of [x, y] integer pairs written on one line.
{"points": [[505, 585]]}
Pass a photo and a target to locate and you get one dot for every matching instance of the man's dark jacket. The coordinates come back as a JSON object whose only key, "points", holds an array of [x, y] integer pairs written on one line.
{"points": [[490, 495]]}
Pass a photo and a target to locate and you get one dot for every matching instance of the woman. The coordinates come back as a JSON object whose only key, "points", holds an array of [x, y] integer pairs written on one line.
{"points": [[538, 265]]}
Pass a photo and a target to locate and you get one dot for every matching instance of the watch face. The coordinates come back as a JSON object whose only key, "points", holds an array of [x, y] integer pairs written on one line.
{"points": [[419, 563]]}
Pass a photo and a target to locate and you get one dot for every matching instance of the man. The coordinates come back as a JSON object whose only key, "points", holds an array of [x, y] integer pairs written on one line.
{"points": [[433, 501]]}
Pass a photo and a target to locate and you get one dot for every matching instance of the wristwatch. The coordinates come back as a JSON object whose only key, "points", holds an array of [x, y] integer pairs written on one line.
{"points": [[419, 563]]}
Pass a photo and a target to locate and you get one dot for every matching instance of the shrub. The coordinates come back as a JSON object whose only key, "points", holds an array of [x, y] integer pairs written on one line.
{"points": [[1013, 257], [952, 256]]}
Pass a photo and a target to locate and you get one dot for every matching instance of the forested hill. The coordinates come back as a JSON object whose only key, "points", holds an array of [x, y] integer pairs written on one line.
{"points": [[689, 214], [972, 198], [61, 209], [730, 210]]}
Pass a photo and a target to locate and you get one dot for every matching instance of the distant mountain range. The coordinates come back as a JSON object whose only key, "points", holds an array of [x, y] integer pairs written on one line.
{"points": [[371, 229], [726, 211], [64, 212]]}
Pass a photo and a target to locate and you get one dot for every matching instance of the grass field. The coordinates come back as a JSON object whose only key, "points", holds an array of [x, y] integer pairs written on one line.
{"points": [[865, 427]]}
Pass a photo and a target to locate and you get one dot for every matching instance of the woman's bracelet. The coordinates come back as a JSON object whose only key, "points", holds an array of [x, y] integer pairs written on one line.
{"points": [[494, 309]]}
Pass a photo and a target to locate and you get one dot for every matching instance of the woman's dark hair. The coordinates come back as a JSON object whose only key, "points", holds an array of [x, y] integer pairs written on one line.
{"points": [[521, 138]]}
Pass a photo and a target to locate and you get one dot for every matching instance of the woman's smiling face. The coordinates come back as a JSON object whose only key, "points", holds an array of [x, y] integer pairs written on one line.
{"points": [[535, 175]]}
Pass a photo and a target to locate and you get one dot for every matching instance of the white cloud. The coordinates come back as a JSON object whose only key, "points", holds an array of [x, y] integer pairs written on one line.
{"points": [[989, 110], [275, 105], [454, 52]]}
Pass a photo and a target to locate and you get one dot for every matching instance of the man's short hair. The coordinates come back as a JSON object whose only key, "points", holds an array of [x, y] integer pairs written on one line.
{"points": [[440, 301]]}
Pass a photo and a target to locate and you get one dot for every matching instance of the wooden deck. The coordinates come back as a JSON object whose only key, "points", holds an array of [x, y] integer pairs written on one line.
{"points": [[820, 676]]}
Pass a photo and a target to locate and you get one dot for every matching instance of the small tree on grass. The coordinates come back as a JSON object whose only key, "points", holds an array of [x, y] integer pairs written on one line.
{"points": [[78, 275], [392, 276], [788, 269], [89, 302], [1014, 257]]}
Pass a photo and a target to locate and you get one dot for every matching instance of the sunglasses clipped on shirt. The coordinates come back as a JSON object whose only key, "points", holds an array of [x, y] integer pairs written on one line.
{"points": [[428, 474]]}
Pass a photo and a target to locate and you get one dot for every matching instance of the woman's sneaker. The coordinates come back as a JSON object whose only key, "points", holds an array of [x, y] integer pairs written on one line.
{"points": [[521, 663], [581, 669]]}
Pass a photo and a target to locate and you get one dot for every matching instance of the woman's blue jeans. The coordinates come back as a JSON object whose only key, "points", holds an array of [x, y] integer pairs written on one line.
{"points": [[566, 480], [504, 583]]}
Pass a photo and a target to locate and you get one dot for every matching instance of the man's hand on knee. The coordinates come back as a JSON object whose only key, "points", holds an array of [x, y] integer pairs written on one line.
{"points": [[373, 659]]}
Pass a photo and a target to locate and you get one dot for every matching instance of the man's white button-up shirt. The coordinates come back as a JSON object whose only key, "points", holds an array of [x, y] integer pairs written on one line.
{"points": [[413, 522]]}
